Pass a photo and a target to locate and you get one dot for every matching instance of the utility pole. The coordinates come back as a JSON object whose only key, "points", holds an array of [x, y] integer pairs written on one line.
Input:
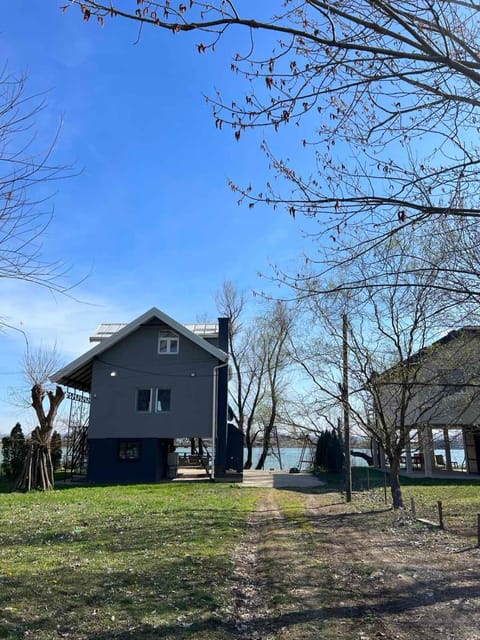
{"points": [[346, 413]]}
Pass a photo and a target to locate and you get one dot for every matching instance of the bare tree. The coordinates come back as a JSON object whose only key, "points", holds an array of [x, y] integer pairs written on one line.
{"points": [[388, 328], [396, 83], [255, 372], [24, 166], [274, 338], [247, 364], [259, 351], [37, 472]]}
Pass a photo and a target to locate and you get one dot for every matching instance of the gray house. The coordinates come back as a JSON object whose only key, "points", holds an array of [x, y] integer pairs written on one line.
{"points": [[150, 382], [434, 393]]}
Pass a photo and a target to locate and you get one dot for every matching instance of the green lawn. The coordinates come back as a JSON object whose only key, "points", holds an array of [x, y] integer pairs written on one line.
{"points": [[154, 561], [460, 498], [130, 562]]}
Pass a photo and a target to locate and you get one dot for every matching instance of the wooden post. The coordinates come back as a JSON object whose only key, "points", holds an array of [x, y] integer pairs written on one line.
{"points": [[440, 515], [385, 486], [412, 506], [478, 529], [346, 413]]}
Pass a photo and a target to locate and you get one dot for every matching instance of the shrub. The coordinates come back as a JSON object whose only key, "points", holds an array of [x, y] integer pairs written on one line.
{"points": [[329, 454], [56, 450], [13, 452]]}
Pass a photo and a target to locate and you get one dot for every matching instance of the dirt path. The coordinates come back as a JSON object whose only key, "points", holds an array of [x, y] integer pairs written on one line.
{"points": [[326, 571], [251, 608]]}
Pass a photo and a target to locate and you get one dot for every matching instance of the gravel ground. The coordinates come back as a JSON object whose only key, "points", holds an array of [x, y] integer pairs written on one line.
{"points": [[337, 572]]}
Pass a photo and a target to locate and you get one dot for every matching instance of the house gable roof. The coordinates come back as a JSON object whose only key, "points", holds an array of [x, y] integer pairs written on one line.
{"points": [[78, 373], [420, 356]]}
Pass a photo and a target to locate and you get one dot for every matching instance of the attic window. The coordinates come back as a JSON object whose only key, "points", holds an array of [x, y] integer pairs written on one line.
{"points": [[167, 343]]}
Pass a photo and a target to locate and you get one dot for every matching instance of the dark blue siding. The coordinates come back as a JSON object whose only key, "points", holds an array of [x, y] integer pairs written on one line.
{"points": [[234, 448], [222, 402], [104, 465]]}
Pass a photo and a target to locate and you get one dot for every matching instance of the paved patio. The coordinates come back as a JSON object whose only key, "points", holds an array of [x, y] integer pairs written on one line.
{"points": [[262, 479], [280, 479], [440, 474]]}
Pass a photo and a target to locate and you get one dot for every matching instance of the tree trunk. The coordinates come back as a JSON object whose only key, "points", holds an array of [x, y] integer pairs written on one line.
{"points": [[360, 454], [249, 446], [261, 460], [266, 446], [37, 472], [395, 487]]}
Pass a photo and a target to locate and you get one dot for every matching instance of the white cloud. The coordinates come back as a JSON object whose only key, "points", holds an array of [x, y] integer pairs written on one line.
{"points": [[47, 319]]}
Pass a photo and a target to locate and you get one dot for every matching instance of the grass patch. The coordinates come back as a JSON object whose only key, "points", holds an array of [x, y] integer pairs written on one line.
{"points": [[292, 506], [461, 504], [143, 561], [460, 498]]}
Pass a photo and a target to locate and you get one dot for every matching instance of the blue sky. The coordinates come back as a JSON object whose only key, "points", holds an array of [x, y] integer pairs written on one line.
{"points": [[149, 219]]}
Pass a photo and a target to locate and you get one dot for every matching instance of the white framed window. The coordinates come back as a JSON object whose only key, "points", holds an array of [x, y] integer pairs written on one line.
{"points": [[162, 401], [168, 343], [144, 400]]}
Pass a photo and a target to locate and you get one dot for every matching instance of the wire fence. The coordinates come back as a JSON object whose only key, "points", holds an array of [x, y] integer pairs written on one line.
{"points": [[460, 520], [450, 506]]}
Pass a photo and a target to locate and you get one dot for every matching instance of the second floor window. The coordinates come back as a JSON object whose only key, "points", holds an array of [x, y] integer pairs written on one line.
{"points": [[157, 400], [163, 400], [167, 342], [144, 400]]}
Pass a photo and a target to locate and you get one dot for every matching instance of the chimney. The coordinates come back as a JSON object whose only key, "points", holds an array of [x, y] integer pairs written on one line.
{"points": [[223, 330]]}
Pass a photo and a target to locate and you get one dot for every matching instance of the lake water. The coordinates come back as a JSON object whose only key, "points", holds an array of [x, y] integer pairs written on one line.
{"points": [[290, 457]]}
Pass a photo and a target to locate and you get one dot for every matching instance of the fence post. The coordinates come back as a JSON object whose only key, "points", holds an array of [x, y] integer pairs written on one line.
{"points": [[440, 514], [412, 506]]}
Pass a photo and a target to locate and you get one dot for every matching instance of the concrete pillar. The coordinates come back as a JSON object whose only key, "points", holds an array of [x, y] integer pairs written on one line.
{"points": [[448, 453], [428, 451], [408, 455], [419, 449]]}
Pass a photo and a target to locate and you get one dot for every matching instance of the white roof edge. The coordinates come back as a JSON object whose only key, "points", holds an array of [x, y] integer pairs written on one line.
{"points": [[129, 328]]}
